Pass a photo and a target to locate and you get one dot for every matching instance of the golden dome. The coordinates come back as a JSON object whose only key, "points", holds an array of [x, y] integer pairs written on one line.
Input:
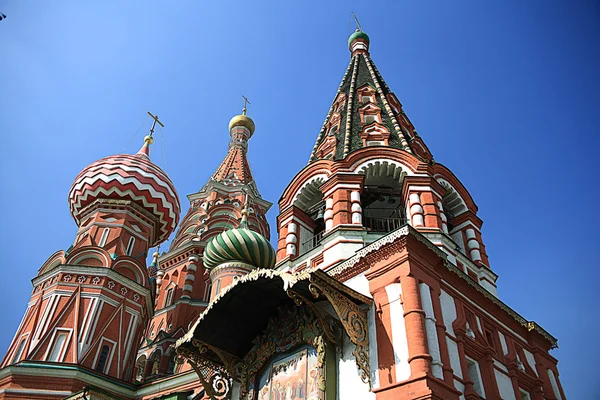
{"points": [[242, 120]]}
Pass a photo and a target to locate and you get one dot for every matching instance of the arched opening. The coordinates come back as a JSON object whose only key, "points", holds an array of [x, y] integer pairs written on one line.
{"points": [[154, 361], [381, 199], [310, 200], [140, 366]]}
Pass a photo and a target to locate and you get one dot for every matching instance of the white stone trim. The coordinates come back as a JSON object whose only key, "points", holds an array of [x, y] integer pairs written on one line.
{"points": [[399, 339]]}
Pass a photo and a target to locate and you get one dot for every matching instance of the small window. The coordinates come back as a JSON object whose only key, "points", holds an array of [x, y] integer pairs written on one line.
{"points": [[19, 351], [474, 374], [59, 341], [218, 288], [370, 118], [104, 237], [169, 299], [103, 358], [367, 99], [130, 246]]}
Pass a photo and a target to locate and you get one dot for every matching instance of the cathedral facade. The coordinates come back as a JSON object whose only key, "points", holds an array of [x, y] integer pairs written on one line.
{"points": [[379, 286]]}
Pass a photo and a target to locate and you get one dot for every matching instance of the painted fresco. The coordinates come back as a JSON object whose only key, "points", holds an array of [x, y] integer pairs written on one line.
{"points": [[294, 377]]}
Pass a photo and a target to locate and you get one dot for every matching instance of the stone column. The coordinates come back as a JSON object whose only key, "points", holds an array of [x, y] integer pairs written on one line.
{"points": [[188, 285], [356, 207], [416, 210], [414, 316]]}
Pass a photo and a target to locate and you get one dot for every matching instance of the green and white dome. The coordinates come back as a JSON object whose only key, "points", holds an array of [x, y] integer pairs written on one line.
{"points": [[241, 245]]}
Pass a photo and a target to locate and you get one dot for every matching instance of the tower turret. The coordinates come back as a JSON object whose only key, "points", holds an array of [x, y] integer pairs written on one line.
{"points": [[184, 284], [90, 304], [368, 174]]}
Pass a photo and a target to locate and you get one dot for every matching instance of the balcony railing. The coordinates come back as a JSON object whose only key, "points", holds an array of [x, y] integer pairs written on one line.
{"points": [[311, 243], [383, 225]]}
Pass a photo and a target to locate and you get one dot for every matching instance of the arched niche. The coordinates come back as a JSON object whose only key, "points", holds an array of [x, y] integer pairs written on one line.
{"points": [[381, 198]]}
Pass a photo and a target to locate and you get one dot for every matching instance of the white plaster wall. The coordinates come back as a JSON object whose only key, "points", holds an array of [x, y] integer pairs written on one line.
{"points": [[454, 357], [458, 239], [503, 343], [350, 386], [448, 311], [399, 340], [460, 387], [373, 356], [431, 331], [530, 360], [360, 283], [554, 384], [505, 386]]}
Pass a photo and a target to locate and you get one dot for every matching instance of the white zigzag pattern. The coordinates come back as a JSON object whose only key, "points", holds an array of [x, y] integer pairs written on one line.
{"points": [[116, 177], [75, 207], [166, 182]]}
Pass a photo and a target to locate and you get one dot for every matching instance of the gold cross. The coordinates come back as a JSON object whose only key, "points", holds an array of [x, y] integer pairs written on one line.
{"points": [[246, 102], [155, 118]]}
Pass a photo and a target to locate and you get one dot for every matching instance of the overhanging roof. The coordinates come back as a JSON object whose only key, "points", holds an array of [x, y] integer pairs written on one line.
{"points": [[239, 313]]}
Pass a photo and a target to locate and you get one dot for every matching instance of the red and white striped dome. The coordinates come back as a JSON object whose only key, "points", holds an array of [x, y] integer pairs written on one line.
{"points": [[129, 177]]}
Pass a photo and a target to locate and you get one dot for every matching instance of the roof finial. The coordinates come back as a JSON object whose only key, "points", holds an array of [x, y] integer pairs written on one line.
{"points": [[148, 139], [246, 102], [358, 27]]}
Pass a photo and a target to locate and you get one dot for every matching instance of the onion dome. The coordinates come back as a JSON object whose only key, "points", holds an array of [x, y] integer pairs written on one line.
{"points": [[242, 120], [129, 177], [358, 41], [241, 245], [358, 35]]}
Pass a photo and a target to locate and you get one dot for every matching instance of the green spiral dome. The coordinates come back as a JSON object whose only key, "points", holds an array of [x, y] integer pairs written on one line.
{"points": [[242, 245]]}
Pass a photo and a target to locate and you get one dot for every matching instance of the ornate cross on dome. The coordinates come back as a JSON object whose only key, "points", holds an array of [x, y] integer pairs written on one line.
{"points": [[155, 118], [246, 102]]}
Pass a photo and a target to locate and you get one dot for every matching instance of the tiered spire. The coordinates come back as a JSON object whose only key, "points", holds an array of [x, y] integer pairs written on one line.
{"points": [[234, 169], [218, 205], [365, 112]]}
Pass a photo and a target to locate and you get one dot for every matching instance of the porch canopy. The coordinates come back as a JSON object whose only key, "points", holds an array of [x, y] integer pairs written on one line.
{"points": [[224, 333], [242, 310]]}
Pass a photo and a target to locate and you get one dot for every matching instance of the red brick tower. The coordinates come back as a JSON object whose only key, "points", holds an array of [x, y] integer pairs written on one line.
{"points": [[91, 303], [374, 210], [183, 285]]}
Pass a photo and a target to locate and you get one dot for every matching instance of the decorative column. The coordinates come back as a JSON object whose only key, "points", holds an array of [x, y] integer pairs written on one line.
{"points": [[473, 245], [443, 217], [328, 215], [416, 210], [190, 277], [356, 207], [291, 240], [430, 212], [414, 316], [431, 331]]}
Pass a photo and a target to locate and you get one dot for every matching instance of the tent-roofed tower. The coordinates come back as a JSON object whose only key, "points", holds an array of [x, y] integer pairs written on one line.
{"points": [[184, 284], [374, 210], [365, 112]]}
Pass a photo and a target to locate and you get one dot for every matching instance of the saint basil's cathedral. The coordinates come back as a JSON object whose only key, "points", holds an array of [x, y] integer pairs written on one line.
{"points": [[379, 286]]}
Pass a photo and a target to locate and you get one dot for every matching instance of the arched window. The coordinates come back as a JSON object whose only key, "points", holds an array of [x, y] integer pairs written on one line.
{"points": [[130, 246], [57, 347], [19, 351], [101, 364], [104, 237], [169, 299]]}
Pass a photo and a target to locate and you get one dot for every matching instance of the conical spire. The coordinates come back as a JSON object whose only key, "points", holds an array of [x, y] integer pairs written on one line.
{"points": [[365, 112], [234, 169]]}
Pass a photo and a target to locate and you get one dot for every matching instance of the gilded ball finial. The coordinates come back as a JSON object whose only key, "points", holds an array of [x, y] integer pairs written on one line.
{"points": [[149, 139]]}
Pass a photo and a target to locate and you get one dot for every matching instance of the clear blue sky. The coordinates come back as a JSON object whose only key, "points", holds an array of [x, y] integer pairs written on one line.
{"points": [[506, 94]]}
